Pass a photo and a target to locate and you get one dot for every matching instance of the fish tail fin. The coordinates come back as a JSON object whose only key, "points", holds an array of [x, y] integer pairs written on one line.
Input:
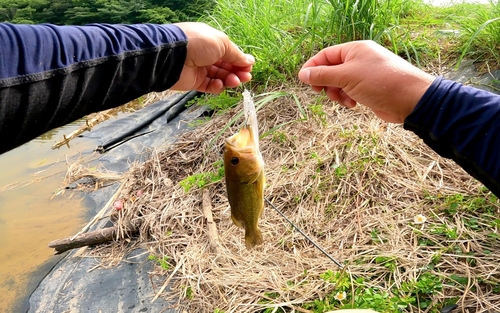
{"points": [[253, 238]]}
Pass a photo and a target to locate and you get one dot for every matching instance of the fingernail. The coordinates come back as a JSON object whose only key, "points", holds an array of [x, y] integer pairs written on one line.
{"points": [[304, 75], [250, 58]]}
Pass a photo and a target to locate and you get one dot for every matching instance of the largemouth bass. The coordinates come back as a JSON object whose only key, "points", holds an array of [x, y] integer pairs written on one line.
{"points": [[245, 179]]}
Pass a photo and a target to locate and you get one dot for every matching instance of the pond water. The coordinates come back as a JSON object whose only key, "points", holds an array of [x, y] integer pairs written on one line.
{"points": [[31, 215]]}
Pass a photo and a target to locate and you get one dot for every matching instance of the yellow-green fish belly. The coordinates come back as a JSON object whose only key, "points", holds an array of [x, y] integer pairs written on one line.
{"points": [[247, 206]]}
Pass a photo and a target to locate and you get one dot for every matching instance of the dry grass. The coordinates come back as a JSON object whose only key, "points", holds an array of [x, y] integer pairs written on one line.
{"points": [[351, 182]]}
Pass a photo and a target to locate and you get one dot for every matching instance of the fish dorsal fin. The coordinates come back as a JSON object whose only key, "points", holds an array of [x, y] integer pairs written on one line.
{"points": [[251, 117]]}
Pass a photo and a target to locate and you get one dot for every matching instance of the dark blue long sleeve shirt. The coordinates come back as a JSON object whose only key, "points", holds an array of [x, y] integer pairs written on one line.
{"points": [[461, 123], [52, 75]]}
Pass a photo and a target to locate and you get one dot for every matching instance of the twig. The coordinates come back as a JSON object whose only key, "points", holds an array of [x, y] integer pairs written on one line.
{"points": [[213, 236], [92, 238], [101, 213], [87, 127]]}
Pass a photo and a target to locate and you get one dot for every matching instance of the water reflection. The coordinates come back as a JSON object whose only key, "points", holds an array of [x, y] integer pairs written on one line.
{"points": [[29, 218]]}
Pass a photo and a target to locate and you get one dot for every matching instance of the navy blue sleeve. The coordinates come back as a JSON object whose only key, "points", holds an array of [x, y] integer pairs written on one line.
{"points": [[461, 123], [52, 75]]}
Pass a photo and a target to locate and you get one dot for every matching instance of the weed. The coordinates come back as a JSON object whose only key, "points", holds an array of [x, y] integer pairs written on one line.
{"points": [[359, 294], [341, 171], [388, 262], [319, 112], [444, 230], [482, 34], [422, 289], [221, 102], [189, 293], [279, 137], [199, 121], [163, 262], [201, 180]]}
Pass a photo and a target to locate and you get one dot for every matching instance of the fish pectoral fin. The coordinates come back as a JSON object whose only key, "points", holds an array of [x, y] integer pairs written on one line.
{"points": [[237, 222], [253, 238]]}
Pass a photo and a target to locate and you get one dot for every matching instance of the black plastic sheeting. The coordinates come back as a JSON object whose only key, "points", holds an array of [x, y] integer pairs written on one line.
{"points": [[78, 284]]}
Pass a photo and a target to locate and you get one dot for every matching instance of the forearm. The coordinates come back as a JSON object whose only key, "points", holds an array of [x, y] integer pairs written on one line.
{"points": [[461, 123], [51, 75]]}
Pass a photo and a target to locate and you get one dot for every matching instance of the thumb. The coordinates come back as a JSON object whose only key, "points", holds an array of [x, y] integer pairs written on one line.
{"points": [[323, 75], [235, 56]]}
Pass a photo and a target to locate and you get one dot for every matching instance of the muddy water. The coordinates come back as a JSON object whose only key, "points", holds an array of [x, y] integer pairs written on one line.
{"points": [[29, 219]]}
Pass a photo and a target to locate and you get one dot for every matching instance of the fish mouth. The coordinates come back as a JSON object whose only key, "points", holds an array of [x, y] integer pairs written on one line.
{"points": [[241, 140]]}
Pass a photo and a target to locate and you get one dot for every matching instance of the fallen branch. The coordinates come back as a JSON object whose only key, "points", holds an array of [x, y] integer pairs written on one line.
{"points": [[93, 238], [87, 127], [213, 236]]}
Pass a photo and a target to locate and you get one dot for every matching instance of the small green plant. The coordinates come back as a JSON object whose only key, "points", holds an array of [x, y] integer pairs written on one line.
{"points": [[199, 121], [341, 171], [279, 137], [448, 231], [189, 293], [163, 262], [319, 112], [480, 203], [388, 262], [201, 180], [422, 289], [223, 101]]}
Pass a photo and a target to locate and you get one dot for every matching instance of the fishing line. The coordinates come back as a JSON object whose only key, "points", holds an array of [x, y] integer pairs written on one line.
{"points": [[444, 309], [250, 111], [307, 237]]}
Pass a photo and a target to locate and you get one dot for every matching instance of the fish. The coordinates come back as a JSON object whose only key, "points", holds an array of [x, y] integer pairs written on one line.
{"points": [[245, 176]]}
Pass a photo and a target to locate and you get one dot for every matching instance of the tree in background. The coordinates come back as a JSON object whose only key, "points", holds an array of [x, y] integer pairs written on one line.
{"points": [[81, 12]]}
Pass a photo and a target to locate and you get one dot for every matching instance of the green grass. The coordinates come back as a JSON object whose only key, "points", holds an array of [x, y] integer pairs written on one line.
{"points": [[200, 180], [283, 34], [480, 33], [163, 262]]}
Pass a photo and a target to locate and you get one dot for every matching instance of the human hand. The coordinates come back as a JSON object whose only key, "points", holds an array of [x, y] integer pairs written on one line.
{"points": [[367, 73], [213, 62]]}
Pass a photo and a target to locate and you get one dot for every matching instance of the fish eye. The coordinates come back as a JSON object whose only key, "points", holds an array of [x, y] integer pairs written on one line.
{"points": [[234, 160]]}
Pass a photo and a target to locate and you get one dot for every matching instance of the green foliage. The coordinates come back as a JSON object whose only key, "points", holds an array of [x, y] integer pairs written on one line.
{"points": [[201, 180], [422, 289], [361, 295], [79, 12], [223, 101], [282, 34], [482, 203], [319, 112], [189, 293], [449, 232], [341, 171], [480, 29], [162, 15], [163, 262], [388, 262]]}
